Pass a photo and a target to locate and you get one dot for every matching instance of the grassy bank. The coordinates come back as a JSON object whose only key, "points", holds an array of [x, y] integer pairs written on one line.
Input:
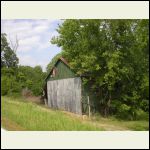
{"points": [[19, 114]]}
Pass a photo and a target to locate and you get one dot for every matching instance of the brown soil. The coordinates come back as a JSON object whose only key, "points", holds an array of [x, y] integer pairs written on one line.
{"points": [[34, 99], [11, 125]]}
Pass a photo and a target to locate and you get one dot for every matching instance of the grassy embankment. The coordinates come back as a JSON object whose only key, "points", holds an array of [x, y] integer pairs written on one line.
{"points": [[20, 114]]}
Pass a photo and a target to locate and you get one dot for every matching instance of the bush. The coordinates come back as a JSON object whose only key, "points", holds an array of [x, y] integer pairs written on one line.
{"points": [[3, 88], [5, 85], [14, 95], [16, 87], [36, 89], [124, 112], [145, 105], [13, 80], [26, 92], [141, 115], [114, 106]]}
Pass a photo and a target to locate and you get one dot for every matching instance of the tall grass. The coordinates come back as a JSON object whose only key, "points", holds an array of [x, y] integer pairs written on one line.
{"points": [[32, 117], [137, 125], [19, 114]]}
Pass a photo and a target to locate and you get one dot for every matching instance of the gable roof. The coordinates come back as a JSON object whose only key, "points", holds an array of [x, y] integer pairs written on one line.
{"points": [[67, 64], [59, 59], [64, 61]]}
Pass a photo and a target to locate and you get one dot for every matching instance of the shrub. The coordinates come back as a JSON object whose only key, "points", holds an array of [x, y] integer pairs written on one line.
{"points": [[141, 115], [14, 94], [145, 105], [3, 88], [124, 112], [5, 85], [114, 106], [26, 92]]}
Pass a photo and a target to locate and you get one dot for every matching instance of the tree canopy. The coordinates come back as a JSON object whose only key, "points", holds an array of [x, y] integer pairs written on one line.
{"points": [[8, 56], [52, 62], [115, 53], [14, 77]]}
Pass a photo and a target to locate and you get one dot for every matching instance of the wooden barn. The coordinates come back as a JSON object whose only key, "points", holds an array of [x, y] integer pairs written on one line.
{"points": [[64, 90]]}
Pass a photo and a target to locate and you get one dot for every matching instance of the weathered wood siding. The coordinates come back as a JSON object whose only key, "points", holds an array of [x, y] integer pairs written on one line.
{"points": [[65, 94]]}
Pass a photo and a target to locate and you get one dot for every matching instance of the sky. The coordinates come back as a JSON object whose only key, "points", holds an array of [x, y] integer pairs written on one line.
{"points": [[34, 40]]}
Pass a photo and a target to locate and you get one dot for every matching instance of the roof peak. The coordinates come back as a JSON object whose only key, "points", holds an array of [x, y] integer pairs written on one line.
{"points": [[63, 60]]}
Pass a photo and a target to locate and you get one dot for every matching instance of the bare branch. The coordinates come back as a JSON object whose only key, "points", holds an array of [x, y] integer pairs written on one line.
{"points": [[14, 45]]}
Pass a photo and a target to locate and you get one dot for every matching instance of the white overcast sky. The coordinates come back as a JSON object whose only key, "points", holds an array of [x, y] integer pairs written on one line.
{"points": [[34, 39]]}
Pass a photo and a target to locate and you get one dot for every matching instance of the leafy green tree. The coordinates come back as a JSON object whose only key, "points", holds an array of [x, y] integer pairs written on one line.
{"points": [[8, 56], [114, 54], [15, 78], [52, 62], [5, 85], [31, 78]]}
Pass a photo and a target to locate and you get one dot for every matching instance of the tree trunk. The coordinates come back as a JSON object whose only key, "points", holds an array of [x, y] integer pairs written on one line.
{"points": [[105, 111], [108, 103]]}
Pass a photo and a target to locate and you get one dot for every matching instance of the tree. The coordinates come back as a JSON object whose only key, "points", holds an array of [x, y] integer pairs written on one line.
{"points": [[15, 78], [52, 62], [8, 56], [114, 53], [9, 81], [24, 77]]}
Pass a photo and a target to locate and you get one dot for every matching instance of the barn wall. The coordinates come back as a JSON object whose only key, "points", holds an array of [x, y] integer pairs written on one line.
{"points": [[65, 94]]}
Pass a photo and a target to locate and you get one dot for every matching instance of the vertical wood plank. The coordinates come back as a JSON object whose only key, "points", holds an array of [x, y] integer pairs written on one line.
{"points": [[65, 94]]}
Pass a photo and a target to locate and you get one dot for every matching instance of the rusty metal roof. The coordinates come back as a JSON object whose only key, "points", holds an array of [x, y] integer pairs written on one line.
{"points": [[64, 61]]}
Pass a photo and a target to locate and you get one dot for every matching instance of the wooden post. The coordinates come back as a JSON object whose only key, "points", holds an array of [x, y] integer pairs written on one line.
{"points": [[45, 101], [89, 107]]}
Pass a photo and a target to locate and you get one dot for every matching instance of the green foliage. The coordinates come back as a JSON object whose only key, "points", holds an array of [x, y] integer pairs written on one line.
{"points": [[13, 81], [145, 105], [15, 78], [31, 78], [34, 117], [8, 56], [124, 112], [5, 85], [141, 115], [52, 62], [29, 84], [9, 83], [115, 55]]}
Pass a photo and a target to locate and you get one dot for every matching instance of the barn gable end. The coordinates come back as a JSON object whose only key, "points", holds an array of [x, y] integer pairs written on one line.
{"points": [[61, 70], [63, 88]]}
